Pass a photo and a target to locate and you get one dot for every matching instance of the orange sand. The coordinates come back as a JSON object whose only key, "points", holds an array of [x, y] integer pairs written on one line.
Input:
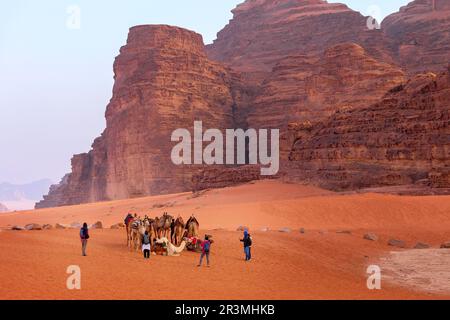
{"points": [[320, 264]]}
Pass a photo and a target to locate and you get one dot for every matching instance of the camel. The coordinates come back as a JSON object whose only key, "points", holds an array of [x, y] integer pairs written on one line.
{"points": [[192, 227], [128, 223], [171, 250], [163, 226], [128, 230], [137, 231], [150, 227], [178, 230]]}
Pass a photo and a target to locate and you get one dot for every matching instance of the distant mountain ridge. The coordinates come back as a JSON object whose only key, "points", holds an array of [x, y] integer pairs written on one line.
{"points": [[19, 196], [3, 208]]}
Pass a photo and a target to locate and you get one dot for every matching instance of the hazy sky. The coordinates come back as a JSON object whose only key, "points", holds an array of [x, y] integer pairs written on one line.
{"points": [[56, 79]]}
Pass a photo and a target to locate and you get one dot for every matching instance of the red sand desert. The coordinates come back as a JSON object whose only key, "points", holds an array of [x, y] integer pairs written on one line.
{"points": [[322, 263]]}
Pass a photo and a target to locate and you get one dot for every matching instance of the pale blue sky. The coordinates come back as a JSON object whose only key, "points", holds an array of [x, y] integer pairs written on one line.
{"points": [[55, 82]]}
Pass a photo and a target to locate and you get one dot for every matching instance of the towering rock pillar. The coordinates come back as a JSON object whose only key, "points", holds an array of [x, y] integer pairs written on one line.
{"points": [[163, 81]]}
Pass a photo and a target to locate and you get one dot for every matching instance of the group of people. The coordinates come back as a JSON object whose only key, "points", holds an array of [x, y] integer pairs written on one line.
{"points": [[146, 243]]}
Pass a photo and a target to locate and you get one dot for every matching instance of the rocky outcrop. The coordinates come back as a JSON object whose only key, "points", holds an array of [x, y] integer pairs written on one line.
{"points": [[262, 32], [163, 81], [219, 177], [33, 226], [311, 87], [312, 69], [420, 35], [403, 139]]}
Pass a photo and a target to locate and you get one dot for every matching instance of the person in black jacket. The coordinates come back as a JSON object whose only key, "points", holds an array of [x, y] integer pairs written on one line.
{"points": [[247, 245], [84, 236]]}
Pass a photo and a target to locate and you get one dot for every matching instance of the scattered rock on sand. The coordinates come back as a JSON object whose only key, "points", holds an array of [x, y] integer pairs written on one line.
{"points": [[371, 236], [344, 232], [97, 225], [285, 230], [445, 245], [60, 226], [17, 228], [396, 243], [242, 228], [75, 225], [302, 230], [421, 245], [265, 229], [118, 226], [33, 226], [47, 227]]}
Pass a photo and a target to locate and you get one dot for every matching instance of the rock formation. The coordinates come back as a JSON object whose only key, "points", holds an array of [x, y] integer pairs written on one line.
{"points": [[312, 87], [403, 139], [163, 81], [337, 89], [262, 32], [420, 34]]}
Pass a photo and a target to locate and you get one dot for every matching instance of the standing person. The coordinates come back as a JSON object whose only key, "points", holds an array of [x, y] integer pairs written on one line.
{"points": [[247, 245], [146, 246], [206, 248], [172, 231], [84, 236]]}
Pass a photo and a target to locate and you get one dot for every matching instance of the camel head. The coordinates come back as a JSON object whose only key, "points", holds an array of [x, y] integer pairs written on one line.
{"points": [[167, 220], [179, 221]]}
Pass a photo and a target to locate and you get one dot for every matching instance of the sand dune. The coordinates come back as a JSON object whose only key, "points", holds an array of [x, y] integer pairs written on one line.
{"points": [[319, 264]]}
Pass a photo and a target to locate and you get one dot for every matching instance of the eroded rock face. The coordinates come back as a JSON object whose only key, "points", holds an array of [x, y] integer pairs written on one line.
{"points": [[264, 31], [163, 81], [403, 139], [219, 177], [312, 87], [312, 69], [420, 34]]}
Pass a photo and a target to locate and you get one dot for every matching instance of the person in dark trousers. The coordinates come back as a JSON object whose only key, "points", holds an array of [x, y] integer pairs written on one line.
{"points": [[146, 246], [84, 236], [247, 245], [172, 230], [206, 249]]}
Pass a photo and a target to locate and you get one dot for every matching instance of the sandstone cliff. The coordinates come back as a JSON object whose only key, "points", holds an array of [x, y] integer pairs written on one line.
{"points": [[264, 31], [403, 139], [312, 69], [163, 81], [312, 87], [420, 34]]}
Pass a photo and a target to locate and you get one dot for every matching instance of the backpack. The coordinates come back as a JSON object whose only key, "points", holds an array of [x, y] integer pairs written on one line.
{"points": [[84, 234], [249, 241], [206, 246]]}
